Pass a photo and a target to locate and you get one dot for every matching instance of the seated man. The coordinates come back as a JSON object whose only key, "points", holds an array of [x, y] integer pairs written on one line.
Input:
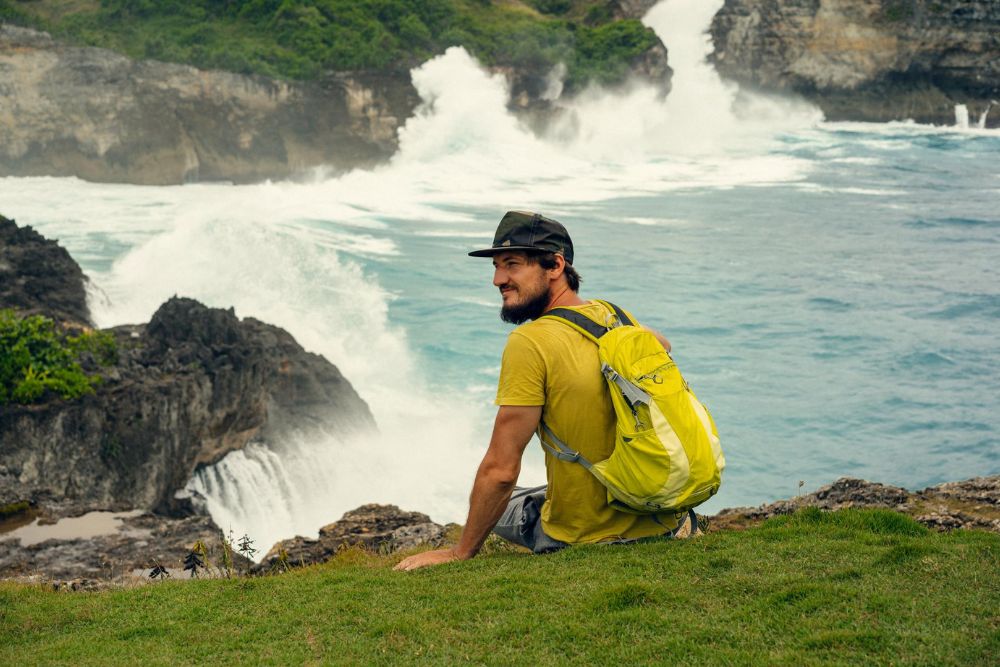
{"points": [[551, 371]]}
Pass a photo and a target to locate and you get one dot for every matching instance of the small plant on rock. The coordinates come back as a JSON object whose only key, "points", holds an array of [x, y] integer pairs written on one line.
{"points": [[246, 547], [37, 358], [158, 572], [227, 554], [193, 562]]}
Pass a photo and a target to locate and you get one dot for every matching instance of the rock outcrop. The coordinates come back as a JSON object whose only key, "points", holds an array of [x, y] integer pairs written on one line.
{"points": [[867, 60], [37, 276], [973, 503], [188, 387], [383, 528], [95, 114]]}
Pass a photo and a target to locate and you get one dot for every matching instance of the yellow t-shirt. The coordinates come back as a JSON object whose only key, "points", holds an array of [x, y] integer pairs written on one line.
{"points": [[548, 363]]}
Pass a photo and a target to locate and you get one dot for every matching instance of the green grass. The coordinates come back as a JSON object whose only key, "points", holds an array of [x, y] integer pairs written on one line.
{"points": [[302, 39], [855, 587]]}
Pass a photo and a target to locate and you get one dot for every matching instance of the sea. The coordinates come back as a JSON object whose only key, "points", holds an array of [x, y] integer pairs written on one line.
{"points": [[831, 290]]}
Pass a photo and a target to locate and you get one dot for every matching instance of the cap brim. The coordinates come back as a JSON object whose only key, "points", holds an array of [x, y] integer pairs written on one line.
{"points": [[489, 252]]}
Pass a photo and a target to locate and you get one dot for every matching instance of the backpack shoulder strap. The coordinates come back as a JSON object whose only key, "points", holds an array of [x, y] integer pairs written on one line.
{"points": [[584, 324], [587, 326], [622, 317]]}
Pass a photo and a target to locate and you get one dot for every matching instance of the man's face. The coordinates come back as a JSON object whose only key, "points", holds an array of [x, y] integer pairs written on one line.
{"points": [[524, 287]]}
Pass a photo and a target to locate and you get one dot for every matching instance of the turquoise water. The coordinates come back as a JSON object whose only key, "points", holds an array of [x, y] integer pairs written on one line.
{"points": [[831, 290], [844, 324]]}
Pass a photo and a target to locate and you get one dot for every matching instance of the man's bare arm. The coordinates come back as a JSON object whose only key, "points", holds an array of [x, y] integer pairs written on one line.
{"points": [[491, 490], [660, 337]]}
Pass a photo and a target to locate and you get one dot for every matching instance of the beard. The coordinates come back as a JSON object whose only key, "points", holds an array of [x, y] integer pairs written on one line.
{"points": [[531, 309]]}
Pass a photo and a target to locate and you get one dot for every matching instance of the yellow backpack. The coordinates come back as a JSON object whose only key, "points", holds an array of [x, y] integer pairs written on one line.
{"points": [[667, 455]]}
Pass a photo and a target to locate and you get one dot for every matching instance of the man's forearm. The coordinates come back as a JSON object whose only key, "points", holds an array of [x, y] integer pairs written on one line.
{"points": [[490, 495], [491, 490]]}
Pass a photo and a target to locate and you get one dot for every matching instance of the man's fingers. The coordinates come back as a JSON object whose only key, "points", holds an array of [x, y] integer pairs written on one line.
{"points": [[404, 564], [425, 559]]}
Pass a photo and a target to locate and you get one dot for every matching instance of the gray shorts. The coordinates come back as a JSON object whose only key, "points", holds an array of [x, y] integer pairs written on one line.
{"points": [[521, 523]]}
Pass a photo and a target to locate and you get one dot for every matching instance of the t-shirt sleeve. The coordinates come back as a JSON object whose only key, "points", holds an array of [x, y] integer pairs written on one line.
{"points": [[522, 373]]}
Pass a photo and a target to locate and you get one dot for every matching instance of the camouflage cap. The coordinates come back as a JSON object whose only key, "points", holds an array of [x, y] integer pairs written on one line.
{"points": [[523, 230]]}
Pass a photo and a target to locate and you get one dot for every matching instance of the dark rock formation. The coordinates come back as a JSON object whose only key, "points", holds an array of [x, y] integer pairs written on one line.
{"points": [[376, 527], [973, 503], [95, 114], [38, 276], [868, 60], [189, 387]]}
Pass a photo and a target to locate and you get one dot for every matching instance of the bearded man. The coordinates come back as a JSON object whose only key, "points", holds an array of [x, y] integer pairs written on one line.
{"points": [[549, 372]]}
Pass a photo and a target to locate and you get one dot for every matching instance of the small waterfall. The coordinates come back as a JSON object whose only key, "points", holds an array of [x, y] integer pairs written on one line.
{"points": [[961, 117], [986, 112]]}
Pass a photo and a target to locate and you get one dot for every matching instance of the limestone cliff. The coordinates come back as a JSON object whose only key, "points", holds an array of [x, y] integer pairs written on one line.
{"points": [[868, 60], [95, 114], [188, 387]]}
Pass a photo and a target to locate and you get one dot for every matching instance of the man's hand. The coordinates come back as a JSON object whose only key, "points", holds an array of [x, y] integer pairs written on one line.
{"points": [[491, 490], [427, 558], [660, 337]]}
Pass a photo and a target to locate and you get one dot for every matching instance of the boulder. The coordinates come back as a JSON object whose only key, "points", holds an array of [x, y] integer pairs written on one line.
{"points": [[384, 528]]}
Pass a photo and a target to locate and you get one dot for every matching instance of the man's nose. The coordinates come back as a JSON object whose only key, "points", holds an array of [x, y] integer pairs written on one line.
{"points": [[499, 277]]}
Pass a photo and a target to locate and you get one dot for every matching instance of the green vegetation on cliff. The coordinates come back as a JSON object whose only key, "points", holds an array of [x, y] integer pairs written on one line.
{"points": [[847, 588], [35, 357], [301, 39]]}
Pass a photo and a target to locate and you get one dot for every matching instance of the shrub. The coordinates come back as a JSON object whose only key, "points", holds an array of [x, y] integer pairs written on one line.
{"points": [[603, 53], [36, 358]]}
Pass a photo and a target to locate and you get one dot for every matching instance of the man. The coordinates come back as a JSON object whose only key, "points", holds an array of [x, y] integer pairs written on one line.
{"points": [[549, 371]]}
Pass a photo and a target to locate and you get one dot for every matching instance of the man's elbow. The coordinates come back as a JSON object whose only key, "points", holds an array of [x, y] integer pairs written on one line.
{"points": [[498, 474]]}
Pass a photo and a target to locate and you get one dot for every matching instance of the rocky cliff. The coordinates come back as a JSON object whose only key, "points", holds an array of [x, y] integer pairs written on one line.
{"points": [[867, 60], [188, 387], [95, 114]]}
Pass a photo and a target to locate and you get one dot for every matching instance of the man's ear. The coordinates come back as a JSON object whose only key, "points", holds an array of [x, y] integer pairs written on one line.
{"points": [[560, 266]]}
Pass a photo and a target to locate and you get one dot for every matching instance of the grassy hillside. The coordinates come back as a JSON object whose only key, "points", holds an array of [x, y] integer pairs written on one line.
{"points": [[300, 39], [853, 587]]}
